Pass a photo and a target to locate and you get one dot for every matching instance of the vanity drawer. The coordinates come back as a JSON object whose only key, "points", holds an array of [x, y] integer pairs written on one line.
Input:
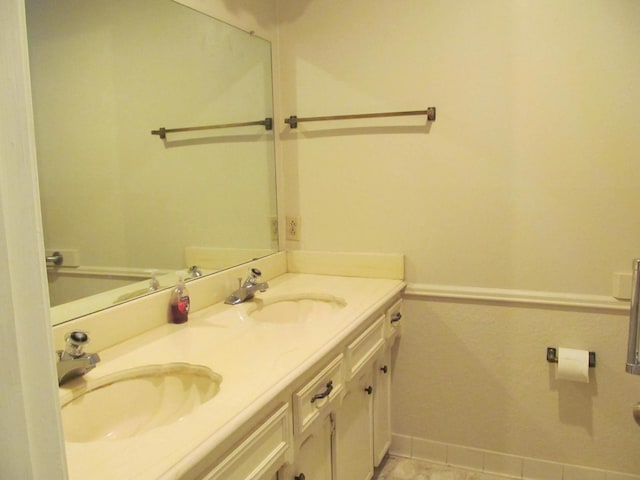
{"points": [[309, 402], [363, 348], [393, 323], [260, 454]]}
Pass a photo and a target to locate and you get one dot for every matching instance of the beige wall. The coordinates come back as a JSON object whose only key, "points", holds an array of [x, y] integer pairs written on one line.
{"points": [[474, 374], [258, 16], [527, 178], [526, 181]]}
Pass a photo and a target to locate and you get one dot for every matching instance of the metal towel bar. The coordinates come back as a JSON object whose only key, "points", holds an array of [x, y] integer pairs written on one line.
{"points": [[162, 132], [293, 120]]}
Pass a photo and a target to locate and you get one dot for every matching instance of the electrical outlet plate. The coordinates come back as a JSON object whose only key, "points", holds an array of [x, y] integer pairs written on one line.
{"points": [[293, 228]]}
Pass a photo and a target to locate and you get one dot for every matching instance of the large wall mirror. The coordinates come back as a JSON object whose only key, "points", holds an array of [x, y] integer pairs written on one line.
{"points": [[126, 208]]}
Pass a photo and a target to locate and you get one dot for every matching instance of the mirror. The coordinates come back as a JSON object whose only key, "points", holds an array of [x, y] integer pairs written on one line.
{"points": [[122, 204]]}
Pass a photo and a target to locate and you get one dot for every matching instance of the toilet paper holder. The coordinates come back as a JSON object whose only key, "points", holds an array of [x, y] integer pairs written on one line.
{"points": [[552, 356]]}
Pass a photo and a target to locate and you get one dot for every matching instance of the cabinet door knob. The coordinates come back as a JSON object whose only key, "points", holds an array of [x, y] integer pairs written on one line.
{"points": [[324, 394], [299, 477], [384, 369], [369, 390], [396, 317]]}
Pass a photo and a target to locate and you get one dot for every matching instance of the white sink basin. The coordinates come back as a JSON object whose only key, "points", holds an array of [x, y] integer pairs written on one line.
{"points": [[295, 308], [134, 401]]}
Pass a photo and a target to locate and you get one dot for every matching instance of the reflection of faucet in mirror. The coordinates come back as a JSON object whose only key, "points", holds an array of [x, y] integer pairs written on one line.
{"points": [[154, 284], [248, 288], [194, 271], [72, 361]]}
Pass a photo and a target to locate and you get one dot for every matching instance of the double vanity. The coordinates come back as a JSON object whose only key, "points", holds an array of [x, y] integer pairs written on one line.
{"points": [[293, 384]]}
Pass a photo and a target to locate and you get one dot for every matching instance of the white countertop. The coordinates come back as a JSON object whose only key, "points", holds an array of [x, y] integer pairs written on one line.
{"points": [[256, 360]]}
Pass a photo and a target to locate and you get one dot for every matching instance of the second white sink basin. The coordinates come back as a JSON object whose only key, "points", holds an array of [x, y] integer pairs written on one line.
{"points": [[295, 308], [134, 401]]}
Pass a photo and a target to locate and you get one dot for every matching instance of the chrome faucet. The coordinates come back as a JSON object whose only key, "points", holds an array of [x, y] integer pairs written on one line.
{"points": [[248, 288], [72, 361]]}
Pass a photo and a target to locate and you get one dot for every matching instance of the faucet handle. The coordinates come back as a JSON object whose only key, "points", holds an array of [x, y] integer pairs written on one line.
{"points": [[154, 284], [254, 275], [76, 340], [255, 272]]}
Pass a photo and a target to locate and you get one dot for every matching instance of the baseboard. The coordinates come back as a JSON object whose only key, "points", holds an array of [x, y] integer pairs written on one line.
{"points": [[496, 463]]}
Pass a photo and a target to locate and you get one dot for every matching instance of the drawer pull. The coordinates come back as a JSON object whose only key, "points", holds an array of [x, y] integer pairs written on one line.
{"points": [[324, 394], [369, 390], [396, 317]]}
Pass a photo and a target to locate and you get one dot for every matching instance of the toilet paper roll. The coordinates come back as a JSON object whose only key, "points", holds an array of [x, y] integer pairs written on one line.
{"points": [[573, 365]]}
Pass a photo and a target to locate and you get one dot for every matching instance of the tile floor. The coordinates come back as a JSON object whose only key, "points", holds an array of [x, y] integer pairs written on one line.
{"points": [[398, 468]]}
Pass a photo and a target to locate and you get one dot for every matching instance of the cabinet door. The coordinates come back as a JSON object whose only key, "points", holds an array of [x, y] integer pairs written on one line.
{"points": [[260, 454], [315, 457], [354, 435], [382, 407]]}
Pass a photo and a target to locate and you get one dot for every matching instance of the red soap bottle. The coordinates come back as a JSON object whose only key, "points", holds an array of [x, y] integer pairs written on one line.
{"points": [[180, 302]]}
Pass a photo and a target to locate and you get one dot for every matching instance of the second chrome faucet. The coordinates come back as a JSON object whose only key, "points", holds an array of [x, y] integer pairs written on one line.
{"points": [[248, 288]]}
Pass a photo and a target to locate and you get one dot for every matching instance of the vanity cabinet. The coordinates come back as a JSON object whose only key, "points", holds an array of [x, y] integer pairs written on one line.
{"points": [[355, 418], [314, 457], [382, 384], [337, 425], [261, 454], [314, 405], [363, 422], [381, 405], [354, 430], [297, 373]]}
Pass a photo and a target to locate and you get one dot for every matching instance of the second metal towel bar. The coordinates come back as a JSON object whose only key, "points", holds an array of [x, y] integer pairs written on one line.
{"points": [[162, 132], [430, 112]]}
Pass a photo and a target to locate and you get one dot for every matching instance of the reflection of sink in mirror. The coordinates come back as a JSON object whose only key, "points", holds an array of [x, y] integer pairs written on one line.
{"points": [[131, 402], [69, 284], [136, 293], [295, 308]]}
